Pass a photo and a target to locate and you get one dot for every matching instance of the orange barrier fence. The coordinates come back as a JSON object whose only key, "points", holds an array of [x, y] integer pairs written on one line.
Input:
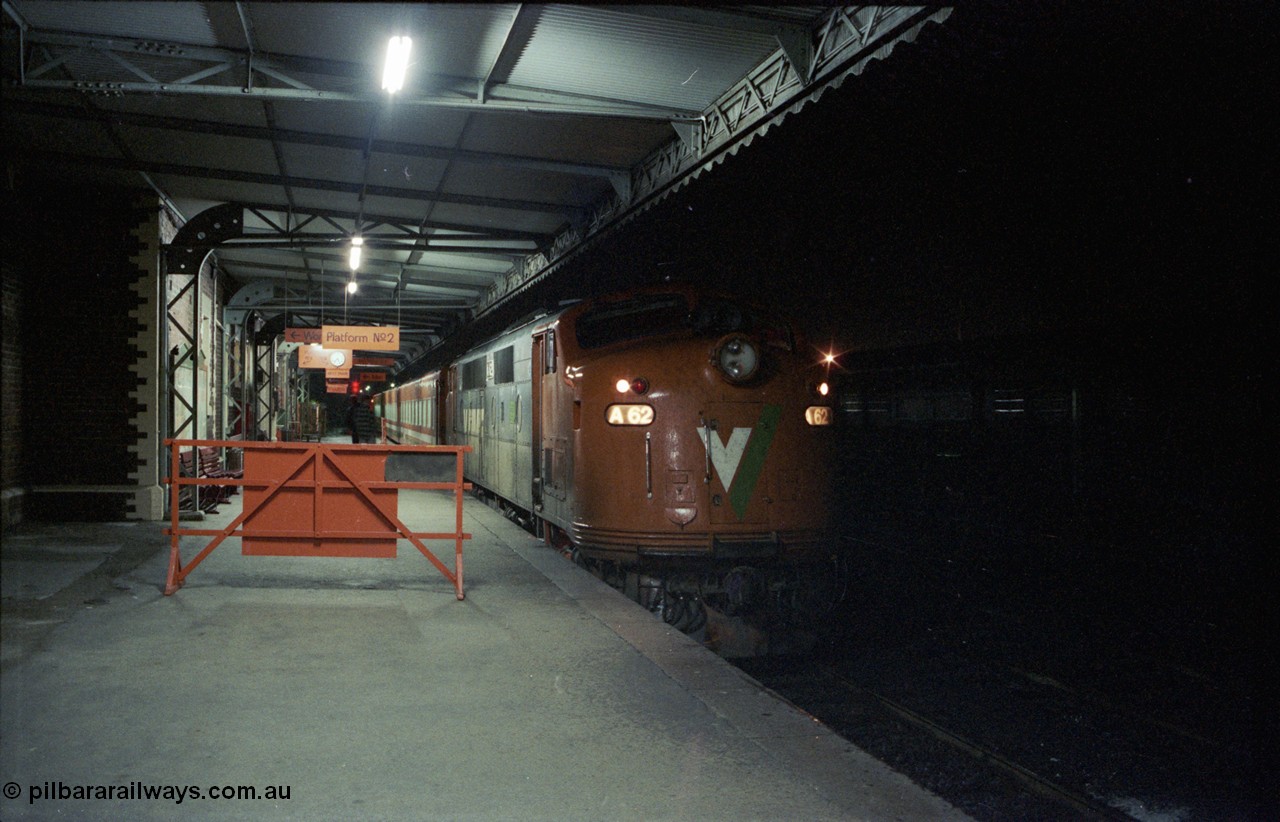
{"points": [[322, 499]]}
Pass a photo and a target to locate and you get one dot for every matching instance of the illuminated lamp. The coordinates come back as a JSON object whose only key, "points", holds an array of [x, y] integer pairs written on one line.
{"points": [[351, 285], [639, 385], [824, 389], [357, 243], [397, 64]]}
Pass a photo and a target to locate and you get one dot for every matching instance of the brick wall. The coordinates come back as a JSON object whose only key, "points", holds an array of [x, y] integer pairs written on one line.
{"points": [[11, 396], [74, 258]]}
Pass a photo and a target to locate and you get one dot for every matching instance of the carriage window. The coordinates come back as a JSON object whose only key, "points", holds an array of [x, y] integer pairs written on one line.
{"points": [[473, 374], [504, 365]]}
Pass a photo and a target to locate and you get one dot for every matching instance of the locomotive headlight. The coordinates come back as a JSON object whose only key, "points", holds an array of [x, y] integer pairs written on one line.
{"points": [[823, 389], [638, 384], [737, 358]]}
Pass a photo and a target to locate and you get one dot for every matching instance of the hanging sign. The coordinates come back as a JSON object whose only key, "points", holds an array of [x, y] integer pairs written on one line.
{"points": [[311, 357], [302, 335], [374, 361], [373, 376], [332, 374], [364, 337]]}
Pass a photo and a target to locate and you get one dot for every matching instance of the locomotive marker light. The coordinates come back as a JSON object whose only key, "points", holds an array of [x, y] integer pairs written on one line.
{"points": [[737, 358], [638, 385]]}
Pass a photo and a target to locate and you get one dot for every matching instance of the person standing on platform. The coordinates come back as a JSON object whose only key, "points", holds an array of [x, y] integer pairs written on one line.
{"points": [[361, 420], [353, 419]]}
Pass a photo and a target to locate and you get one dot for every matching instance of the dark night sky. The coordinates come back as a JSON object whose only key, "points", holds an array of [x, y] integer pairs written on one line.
{"points": [[1013, 171]]}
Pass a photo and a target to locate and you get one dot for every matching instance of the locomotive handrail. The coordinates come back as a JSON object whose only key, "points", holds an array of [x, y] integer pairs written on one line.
{"points": [[311, 452]]}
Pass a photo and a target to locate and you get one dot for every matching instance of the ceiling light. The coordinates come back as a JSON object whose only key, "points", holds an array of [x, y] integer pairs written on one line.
{"points": [[351, 286], [397, 64], [356, 243]]}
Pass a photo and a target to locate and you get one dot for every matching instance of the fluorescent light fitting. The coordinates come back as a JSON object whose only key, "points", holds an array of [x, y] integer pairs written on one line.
{"points": [[397, 64], [356, 244]]}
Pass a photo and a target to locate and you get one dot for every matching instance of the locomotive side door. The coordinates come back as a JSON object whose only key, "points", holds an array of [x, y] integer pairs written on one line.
{"points": [[537, 369], [550, 438], [737, 437]]}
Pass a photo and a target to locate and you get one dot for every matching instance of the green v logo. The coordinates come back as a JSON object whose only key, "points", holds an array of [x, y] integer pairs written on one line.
{"points": [[740, 461]]}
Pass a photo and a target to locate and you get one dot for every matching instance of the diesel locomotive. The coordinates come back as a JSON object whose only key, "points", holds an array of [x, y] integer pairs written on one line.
{"points": [[678, 443]]}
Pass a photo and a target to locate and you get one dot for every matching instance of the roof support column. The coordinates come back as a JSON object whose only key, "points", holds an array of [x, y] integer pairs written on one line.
{"points": [[149, 397]]}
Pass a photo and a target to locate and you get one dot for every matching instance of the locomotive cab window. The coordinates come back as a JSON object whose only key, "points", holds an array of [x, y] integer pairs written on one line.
{"points": [[549, 353], [716, 316], [658, 314], [632, 319]]}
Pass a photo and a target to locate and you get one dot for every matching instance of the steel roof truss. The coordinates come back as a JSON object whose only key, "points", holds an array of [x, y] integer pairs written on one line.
{"points": [[462, 95], [293, 137], [846, 40]]}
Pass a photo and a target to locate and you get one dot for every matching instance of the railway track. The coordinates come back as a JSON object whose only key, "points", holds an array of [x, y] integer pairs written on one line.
{"points": [[971, 773], [1012, 708], [1071, 800]]}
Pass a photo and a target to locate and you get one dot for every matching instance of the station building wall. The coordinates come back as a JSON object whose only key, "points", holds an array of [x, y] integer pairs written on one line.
{"points": [[84, 379]]}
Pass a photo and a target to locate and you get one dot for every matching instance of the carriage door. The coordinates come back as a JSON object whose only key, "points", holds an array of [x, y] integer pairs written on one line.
{"points": [[737, 437]]}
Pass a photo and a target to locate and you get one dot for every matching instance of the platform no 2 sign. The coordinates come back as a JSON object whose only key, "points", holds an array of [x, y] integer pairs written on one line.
{"points": [[362, 337]]}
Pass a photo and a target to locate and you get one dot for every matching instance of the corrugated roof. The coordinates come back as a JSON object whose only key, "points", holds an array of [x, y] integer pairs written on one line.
{"points": [[532, 128]]}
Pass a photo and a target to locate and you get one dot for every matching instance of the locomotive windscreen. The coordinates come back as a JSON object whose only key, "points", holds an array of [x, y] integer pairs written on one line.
{"points": [[632, 319], [656, 314]]}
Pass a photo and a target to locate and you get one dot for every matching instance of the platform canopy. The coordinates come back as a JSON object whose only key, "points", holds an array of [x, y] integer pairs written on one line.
{"points": [[522, 133]]}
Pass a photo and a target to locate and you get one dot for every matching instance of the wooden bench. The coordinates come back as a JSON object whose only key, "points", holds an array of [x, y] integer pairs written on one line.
{"points": [[210, 467]]}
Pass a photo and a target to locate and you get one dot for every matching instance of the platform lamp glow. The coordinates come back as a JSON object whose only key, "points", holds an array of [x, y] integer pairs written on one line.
{"points": [[357, 246], [397, 64]]}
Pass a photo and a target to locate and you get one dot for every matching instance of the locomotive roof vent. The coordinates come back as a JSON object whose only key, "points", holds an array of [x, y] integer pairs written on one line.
{"points": [[737, 357]]}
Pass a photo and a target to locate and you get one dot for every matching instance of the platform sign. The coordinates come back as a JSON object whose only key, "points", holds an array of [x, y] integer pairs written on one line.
{"points": [[312, 357], [302, 335], [336, 374], [375, 361], [363, 337], [335, 386], [372, 376]]}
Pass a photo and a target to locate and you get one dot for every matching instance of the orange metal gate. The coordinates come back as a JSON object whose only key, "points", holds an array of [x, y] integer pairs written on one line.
{"points": [[322, 499]]}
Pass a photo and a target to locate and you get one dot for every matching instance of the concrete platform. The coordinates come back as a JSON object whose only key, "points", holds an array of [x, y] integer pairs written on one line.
{"points": [[365, 689]]}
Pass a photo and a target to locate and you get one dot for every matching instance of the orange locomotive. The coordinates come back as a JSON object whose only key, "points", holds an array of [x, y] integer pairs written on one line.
{"points": [[677, 442]]}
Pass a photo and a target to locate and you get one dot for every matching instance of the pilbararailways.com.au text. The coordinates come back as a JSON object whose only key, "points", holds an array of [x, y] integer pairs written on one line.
{"points": [[59, 790]]}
